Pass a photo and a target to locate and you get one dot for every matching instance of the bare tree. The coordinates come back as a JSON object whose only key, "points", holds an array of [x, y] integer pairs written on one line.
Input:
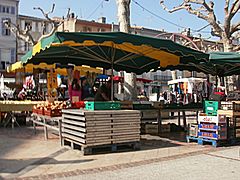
{"points": [[226, 31], [26, 36]]}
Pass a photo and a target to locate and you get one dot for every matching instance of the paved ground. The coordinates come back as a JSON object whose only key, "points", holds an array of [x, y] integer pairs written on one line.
{"points": [[24, 155], [220, 165]]}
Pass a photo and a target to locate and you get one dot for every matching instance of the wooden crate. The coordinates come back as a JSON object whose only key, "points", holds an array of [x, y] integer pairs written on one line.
{"points": [[92, 128]]}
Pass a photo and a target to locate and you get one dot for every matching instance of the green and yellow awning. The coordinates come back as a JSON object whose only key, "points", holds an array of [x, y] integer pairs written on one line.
{"points": [[131, 53]]}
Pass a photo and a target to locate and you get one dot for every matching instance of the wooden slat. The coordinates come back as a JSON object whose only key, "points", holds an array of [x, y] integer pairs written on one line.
{"points": [[80, 140], [77, 118], [112, 124], [74, 133], [77, 112], [74, 122], [124, 118], [74, 127]]}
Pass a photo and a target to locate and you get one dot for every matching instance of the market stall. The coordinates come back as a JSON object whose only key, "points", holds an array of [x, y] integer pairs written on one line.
{"points": [[119, 51]]}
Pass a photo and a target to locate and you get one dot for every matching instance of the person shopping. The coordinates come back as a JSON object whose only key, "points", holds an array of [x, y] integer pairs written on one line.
{"points": [[74, 91]]}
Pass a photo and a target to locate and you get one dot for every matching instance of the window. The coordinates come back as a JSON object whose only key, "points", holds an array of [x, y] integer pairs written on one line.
{"points": [[8, 9], [0, 8], [3, 65], [12, 10], [5, 30], [27, 25], [3, 9], [13, 55]]}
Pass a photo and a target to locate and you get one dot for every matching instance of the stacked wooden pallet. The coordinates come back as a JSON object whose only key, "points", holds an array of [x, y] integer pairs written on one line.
{"points": [[101, 127]]}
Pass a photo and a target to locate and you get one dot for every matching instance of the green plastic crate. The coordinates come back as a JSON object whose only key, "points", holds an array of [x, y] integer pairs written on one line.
{"points": [[142, 106], [103, 105], [211, 107]]}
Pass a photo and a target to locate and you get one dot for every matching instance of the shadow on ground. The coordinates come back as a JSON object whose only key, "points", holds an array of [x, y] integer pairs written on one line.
{"points": [[17, 165]]}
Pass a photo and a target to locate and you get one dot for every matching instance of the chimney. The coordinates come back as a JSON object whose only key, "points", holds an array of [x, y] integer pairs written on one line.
{"points": [[102, 20]]}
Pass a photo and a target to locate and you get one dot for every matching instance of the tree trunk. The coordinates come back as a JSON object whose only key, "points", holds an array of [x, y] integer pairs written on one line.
{"points": [[130, 92], [124, 15], [230, 80]]}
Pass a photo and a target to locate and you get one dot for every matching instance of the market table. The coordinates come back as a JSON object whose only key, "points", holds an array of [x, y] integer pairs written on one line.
{"points": [[183, 110], [15, 106], [45, 122]]}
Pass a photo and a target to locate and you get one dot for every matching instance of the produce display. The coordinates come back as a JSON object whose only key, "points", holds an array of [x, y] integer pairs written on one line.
{"points": [[50, 108]]}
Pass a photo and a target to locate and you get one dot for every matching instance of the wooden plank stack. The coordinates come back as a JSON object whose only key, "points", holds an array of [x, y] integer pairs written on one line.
{"points": [[101, 127]]}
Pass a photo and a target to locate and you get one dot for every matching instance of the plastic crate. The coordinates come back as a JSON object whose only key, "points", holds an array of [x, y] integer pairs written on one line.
{"points": [[40, 111], [53, 113], [211, 107], [102, 105], [209, 135], [225, 105], [142, 106], [78, 105]]}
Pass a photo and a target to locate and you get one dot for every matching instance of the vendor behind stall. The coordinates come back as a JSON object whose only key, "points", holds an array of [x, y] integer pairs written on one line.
{"points": [[104, 92], [74, 91]]}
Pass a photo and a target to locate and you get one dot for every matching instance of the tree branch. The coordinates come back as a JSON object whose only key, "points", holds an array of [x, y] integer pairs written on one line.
{"points": [[55, 23], [210, 17], [234, 28], [234, 9], [21, 34], [236, 48]]}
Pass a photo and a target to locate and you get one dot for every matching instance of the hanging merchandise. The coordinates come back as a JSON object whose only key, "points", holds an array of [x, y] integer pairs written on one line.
{"points": [[52, 84]]}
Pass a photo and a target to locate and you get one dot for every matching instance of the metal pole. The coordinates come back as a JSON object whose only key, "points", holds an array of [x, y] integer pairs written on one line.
{"points": [[112, 82]]}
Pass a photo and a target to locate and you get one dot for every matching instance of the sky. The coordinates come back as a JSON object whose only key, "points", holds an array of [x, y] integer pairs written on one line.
{"points": [[147, 13]]}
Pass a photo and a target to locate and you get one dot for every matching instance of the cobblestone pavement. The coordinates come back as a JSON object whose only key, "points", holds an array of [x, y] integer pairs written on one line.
{"points": [[24, 155]]}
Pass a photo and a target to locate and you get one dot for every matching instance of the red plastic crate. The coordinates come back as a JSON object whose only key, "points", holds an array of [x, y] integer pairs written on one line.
{"points": [[78, 105], [40, 111], [35, 111], [53, 113]]}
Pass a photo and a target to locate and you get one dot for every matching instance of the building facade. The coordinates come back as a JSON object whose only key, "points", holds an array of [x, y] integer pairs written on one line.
{"points": [[8, 41], [38, 27]]}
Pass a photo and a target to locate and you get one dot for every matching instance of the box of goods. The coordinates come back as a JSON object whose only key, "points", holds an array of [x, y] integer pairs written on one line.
{"points": [[222, 118], [78, 105], [237, 133], [126, 104], [208, 135], [40, 111], [193, 130], [236, 106], [139, 106], [35, 110], [53, 112], [211, 107], [151, 129], [226, 105], [97, 105], [208, 119], [158, 104], [208, 126]]}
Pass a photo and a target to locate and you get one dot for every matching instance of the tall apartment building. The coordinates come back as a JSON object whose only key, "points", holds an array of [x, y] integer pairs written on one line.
{"points": [[8, 43]]}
